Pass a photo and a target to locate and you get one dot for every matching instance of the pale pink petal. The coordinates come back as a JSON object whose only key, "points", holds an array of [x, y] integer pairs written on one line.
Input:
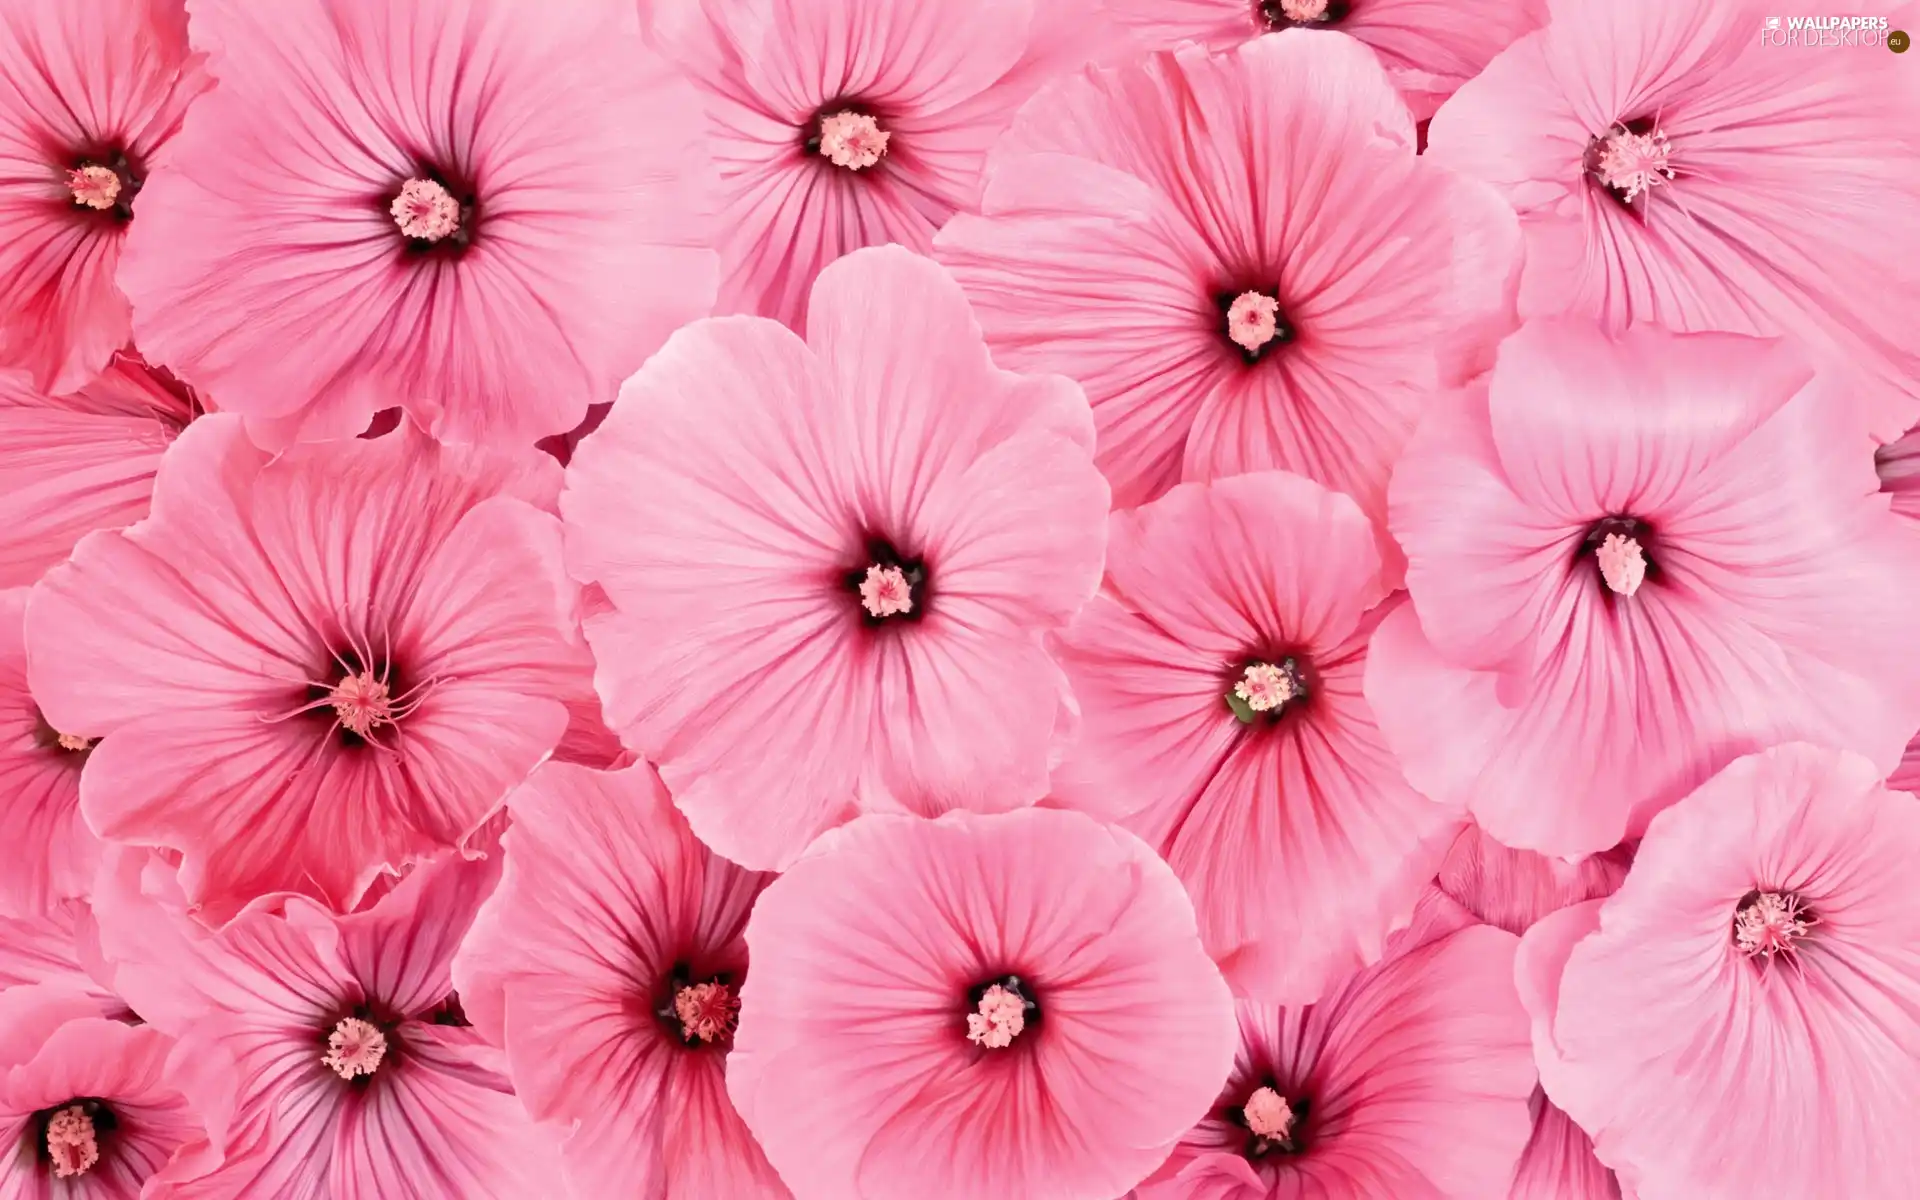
{"points": [[80, 462], [1514, 888]]}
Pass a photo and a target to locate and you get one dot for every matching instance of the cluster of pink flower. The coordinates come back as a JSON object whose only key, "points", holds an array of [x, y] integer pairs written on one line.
{"points": [[1006, 600]]}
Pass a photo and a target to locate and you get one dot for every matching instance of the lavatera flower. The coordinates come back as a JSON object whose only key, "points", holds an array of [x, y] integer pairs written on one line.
{"points": [[1631, 560]]}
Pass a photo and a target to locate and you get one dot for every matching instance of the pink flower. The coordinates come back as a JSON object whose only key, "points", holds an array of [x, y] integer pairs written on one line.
{"points": [[838, 124], [360, 1078], [311, 670], [1138, 221], [1754, 975], [1409, 1080], [94, 93], [1564, 709], [94, 1109], [486, 211], [1669, 166], [754, 506], [610, 959], [857, 1062], [81, 462], [1429, 49], [1515, 888], [1218, 678], [49, 854]]}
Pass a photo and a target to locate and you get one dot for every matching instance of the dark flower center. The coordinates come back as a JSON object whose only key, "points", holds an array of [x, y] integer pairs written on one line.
{"points": [[363, 699], [358, 1044], [435, 212], [70, 1138], [1253, 322], [1276, 1121], [1000, 1011], [1263, 689], [1300, 14], [1622, 550], [103, 183], [848, 134], [700, 1011], [1630, 161], [450, 1012], [1769, 924], [891, 586], [73, 747]]}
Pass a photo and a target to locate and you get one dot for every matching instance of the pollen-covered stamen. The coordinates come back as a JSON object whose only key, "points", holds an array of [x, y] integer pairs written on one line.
{"points": [[361, 702], [1268, 1114], [1266, 687], [1253, 320], [1001, 1010], [1633, 163], [886, 591], [853, 140], [73, 743], [1284, 14], [1623, 566], [425, 210], [1769, 923], [355, 1048], [1000, 1017], [707, 1012], [94, 187], [72, 1142]]}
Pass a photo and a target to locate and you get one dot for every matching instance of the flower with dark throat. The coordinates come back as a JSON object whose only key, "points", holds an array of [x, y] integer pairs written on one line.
{"points": [[1632, 559], [609, 963], [979, 1005], [1218, 676], [1769, 921], [1667, 163], [98, 1109], [1411, 1078], [93, 96], [1428, 49], [839, 124], [1242, 260], [492, 236], [844, 553], [359, 1074], [372, 639]]}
